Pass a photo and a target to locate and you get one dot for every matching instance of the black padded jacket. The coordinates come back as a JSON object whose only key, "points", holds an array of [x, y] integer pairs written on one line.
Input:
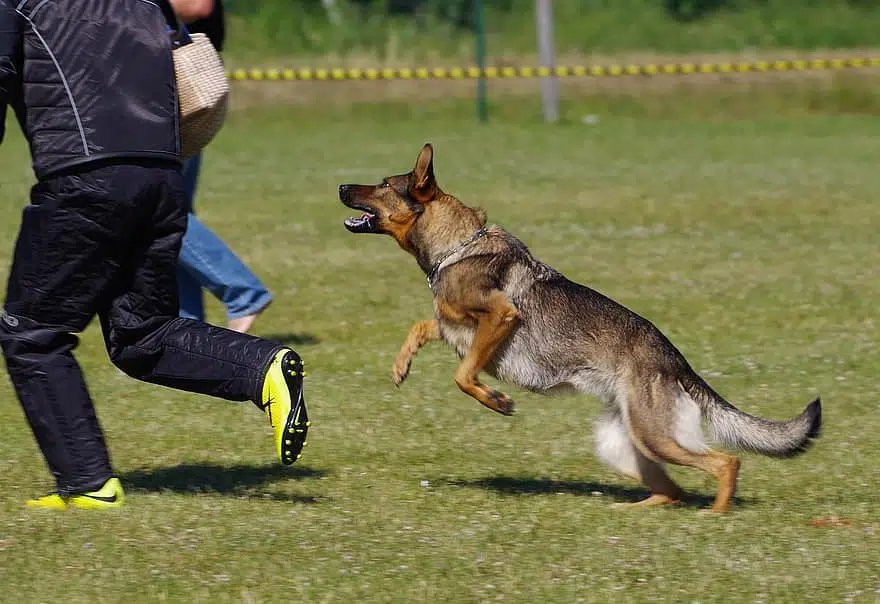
{"points": [[89, 80]]}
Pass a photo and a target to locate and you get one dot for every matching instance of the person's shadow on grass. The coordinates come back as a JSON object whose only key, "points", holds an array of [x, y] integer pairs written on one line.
{"points": [[236, 481], [510, 485], [291, 339]]}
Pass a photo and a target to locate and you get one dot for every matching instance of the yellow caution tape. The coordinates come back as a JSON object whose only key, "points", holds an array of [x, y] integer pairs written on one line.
{"points": [[465, 73]]}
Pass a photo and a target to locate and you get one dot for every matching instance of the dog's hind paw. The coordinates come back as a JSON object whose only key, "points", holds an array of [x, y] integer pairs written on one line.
{"points": [[501, 403]]}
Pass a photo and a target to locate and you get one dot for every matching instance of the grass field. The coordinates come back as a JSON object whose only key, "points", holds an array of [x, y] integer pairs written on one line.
{"points": [[749, 238]]}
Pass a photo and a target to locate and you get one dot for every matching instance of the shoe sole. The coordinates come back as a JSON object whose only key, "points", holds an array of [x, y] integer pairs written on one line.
{"points": [[296, 427], [87, 503]]}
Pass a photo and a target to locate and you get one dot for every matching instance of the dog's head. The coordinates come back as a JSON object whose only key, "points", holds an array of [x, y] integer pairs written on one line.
{"points": [[392, 206], [411, 208]]}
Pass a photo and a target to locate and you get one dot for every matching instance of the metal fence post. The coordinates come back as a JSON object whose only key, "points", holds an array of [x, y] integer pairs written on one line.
{"points": [[549, 84], [480, 31]]}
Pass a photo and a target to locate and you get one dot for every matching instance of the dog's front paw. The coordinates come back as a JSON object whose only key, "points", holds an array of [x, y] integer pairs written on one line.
{"points": [[400, 370], [501, 403]]}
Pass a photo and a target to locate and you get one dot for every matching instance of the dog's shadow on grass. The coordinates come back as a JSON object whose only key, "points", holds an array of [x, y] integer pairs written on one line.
{"points": [[292, 339], [236, 481], [510, 485]]}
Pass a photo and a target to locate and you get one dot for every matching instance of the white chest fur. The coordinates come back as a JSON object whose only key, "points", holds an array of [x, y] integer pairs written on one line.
{"points": [[458, 336]]}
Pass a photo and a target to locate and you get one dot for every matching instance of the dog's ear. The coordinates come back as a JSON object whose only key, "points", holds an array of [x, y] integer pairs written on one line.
{"points": [[424, 187]]}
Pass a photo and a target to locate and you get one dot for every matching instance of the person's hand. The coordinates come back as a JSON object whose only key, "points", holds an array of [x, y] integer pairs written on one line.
{"points": [[192, 10]]}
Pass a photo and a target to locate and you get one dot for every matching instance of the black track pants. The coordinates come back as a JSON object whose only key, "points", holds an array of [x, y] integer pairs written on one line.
{"points": [[104, 242]]}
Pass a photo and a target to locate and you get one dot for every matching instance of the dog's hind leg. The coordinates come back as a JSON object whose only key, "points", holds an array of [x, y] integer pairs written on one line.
{"points": [[496, 319], [669, 431], [615, 447], [420, 334]]}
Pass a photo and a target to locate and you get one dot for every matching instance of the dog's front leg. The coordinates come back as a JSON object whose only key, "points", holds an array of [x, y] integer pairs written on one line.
{"points": [[495, 321], [420, 334]]}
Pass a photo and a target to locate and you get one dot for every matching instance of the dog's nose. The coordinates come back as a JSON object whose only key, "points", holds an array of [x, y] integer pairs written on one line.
{"points": [[344, 193]]}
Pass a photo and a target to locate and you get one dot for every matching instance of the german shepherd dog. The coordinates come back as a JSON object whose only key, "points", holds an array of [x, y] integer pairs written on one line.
{"points": [[508, 314]]}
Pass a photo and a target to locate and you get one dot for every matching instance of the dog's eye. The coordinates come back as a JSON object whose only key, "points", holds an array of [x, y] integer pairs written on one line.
{"points": [[385, 185]]}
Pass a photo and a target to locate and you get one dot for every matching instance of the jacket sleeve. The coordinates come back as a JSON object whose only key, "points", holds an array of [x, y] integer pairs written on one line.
{"points": [[10, 60]]}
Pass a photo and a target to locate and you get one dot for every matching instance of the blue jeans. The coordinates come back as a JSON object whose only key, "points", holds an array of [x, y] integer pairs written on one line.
{"points": [[206, 262]]}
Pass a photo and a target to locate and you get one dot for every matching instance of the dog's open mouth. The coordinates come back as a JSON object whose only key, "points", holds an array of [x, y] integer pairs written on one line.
{"points": [[365, 223]]}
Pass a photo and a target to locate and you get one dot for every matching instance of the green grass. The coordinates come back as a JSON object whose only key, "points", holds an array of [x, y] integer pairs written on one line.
{"points": [[281, 29], [748, 238]]}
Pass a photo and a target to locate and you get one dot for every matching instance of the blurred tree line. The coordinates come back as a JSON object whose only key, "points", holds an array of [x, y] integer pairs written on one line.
{"points": [[461, 12]]}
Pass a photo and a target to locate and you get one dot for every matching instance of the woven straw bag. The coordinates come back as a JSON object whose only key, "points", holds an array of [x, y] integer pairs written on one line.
{"points": [[203, 93], [202, 87]]}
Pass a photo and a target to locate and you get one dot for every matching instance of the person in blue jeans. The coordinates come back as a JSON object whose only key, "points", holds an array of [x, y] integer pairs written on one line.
{"points": [[205, 261]]}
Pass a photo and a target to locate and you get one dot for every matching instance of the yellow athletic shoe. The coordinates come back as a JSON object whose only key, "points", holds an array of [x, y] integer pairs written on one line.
{"points": [[108, 496], [284, 405], [52, 501]]}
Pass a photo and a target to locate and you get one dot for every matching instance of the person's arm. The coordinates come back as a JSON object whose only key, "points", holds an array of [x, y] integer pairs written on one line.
{"points": [[10, 56], [192, 10]]}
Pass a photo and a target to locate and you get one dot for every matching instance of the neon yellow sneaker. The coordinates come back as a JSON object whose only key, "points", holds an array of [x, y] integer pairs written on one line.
{"points": [[284, 405], [53, 501], [108, 496]]}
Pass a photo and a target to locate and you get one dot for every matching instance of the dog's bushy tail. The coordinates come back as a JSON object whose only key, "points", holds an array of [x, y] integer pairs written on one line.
{"points": [[740, 430]]}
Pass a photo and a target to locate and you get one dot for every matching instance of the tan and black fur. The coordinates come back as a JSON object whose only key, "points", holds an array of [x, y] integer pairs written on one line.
{"points": [[508, 314]]}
